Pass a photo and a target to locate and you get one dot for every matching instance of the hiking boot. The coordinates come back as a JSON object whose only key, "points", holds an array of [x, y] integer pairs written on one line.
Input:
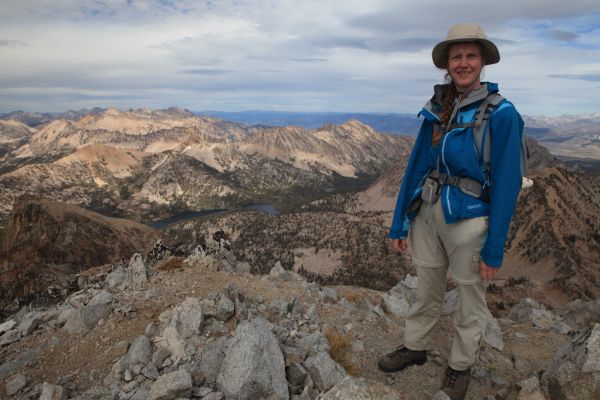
{"points": [[401, 358], [456, 383]]}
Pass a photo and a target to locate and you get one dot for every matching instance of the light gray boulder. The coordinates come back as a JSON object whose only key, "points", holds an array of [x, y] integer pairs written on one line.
{"points": [[493, 334], [396, 304], [225, 309], [139, 353], [330, 296], [29, 323], [116, 278], [324, 371], [440, 395], [543, 319], [91, 314], [172, 386], [75, 324], [7, 326], [180, 328], [52, 392], [522, 312], [451, 302], [574, 372], [10, 337], [253, 367], [351, 388], [529, 389], [278, 308], [313, 344], [136, 274], [102, 297]]}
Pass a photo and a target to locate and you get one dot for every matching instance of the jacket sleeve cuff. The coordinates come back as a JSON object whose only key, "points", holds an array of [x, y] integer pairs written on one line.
{"points": [[492, 261]]}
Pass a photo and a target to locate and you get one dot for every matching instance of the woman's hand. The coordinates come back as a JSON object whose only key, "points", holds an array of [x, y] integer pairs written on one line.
{"points": [[399, 245], [485, 271]]}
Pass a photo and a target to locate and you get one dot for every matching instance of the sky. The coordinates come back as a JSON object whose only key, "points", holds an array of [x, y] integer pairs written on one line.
{"points": [[287, 55]]}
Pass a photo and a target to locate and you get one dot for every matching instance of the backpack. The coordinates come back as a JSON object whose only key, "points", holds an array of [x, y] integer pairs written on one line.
{"points": [[482, 133]]}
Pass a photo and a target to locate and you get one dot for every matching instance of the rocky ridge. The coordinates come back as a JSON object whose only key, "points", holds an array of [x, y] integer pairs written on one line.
{"points": [[197, 325], [111, 161]]}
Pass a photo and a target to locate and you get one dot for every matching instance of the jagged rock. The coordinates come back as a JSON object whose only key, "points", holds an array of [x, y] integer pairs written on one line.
{"points": [[139, 353], [293, 355], [359, 389], [98, 393], [528, 389], [201, 391], [182, 323], [103, 297], [278, 308], [7, 326], [296, 374], [574, 372], [151, 329], [188, 317], [521, 312], [253, 367], [562, 328], [213, 355], [278, 272], [579, 313], [172, 386], [75, 324], [396, 305], [150, 371], [440, 395], [91, 314], [52, 392], [214, 396], [296, 308], [116, 278], [543, 319], [225, 309], [159, 356], [451, 302], [330, 295], [313, 344], [15, 384], [29, 323], [137, 275], [324, 371], [10, 337], [493, 333], [142, 393]]}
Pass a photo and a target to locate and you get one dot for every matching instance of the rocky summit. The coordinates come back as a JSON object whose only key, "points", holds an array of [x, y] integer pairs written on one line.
{"points": [[195, 324]]}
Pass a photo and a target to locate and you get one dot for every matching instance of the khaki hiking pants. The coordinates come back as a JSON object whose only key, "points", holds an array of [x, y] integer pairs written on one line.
{"points": [[437, 248]]}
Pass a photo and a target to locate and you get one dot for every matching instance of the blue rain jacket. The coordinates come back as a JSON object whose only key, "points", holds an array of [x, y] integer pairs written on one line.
{"points": [[459, 157]]}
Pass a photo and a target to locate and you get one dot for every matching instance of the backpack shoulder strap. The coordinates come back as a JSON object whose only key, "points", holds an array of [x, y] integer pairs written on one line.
{"points": [[480, 127]]}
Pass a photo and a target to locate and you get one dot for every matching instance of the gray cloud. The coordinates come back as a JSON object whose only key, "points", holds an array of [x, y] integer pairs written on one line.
{"points": [[593, 77], [206, 71], [561, 35], [11, 43]]}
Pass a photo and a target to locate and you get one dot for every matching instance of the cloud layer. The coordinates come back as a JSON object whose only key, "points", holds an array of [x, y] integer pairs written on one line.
{"points": [[312, 55]]}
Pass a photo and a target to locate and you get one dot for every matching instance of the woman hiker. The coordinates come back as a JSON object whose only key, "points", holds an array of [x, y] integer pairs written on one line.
{"points": [[455, 207]]}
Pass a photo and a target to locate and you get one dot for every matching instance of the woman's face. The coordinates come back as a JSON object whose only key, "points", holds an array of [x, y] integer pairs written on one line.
{"points": [[464, 65]]}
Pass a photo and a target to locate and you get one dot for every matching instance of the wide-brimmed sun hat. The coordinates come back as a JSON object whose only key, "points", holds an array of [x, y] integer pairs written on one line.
{"points": [[461, 33]]}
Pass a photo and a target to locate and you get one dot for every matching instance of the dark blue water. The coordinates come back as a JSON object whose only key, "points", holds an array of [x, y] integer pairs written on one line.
{"points": [[159, 224]]}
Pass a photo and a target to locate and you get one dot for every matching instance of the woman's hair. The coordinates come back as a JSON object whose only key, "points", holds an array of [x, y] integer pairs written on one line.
{"points": [[448, 98]]}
